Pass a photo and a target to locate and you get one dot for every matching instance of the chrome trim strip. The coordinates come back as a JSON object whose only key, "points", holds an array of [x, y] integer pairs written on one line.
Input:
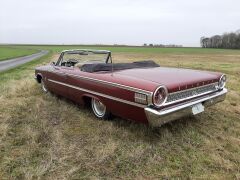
{"points": [[99, 94], [109, 83], [91, 50], [113, 84]]}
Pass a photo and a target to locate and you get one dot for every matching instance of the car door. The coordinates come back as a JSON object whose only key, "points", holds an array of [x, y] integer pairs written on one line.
{"points": [[73, 75], [57, 81]]}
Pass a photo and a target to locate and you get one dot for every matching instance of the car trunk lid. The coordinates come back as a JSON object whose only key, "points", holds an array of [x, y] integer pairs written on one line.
{"points": [[175, 79]]}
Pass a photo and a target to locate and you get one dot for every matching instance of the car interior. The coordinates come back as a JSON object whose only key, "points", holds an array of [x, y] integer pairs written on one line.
{"points": [[85, 62]]}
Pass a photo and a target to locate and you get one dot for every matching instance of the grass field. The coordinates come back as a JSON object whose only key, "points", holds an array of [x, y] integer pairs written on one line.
{"points": [[9, 52], [145, 50], [48, 137]]}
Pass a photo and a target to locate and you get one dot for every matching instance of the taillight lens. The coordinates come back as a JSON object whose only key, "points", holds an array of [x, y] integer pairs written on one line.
{"points": [[222, 81], [160, 96]]}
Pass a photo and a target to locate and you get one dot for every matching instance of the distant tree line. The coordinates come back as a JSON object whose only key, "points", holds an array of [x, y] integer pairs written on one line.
{"points": [[161, 45], [226, 41]]}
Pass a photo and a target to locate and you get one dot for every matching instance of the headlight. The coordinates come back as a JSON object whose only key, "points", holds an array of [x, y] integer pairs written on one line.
{"points": [[222, 81], [160, 96]]}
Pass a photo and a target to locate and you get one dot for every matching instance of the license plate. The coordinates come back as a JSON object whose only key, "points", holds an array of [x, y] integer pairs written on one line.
{"points": [[197, 108]]}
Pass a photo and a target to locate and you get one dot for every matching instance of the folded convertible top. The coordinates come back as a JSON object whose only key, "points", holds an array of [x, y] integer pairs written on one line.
{"points": [[117, 66]]}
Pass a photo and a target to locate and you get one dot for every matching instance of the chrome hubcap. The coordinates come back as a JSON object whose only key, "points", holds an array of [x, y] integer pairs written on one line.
{"points": [[98, 107]]}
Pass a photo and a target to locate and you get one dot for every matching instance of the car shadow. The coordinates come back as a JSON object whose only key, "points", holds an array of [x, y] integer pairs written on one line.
{"points": [[154, 134], [144, 131]]}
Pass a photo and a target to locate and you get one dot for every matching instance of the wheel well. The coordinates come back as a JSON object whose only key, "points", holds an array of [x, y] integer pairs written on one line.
{"points": [[39, 78], [87, 101]]}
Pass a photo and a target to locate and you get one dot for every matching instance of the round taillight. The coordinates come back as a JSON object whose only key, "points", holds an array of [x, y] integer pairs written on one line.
{"points": [[222, 81], [160, 96]]}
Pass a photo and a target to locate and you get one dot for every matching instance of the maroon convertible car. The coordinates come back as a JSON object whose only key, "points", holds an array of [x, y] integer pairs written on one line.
{"points": [[141, 91]]}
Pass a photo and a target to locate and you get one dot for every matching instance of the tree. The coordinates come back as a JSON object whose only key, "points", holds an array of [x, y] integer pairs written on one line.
{"points": [[202, 42], [227, 40], [206, 42], [216, 41]]}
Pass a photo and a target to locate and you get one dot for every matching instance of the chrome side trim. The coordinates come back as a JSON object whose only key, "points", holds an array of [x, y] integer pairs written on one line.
{"points": [[108, 83], [99, 94], [129, 88], [112, 84]]}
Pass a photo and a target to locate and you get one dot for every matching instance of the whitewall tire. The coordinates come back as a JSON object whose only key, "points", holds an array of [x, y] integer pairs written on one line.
{"points": [[99, 109]]}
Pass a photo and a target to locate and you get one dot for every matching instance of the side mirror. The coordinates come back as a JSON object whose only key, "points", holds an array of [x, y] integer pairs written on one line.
{"points": [[53, 63]]}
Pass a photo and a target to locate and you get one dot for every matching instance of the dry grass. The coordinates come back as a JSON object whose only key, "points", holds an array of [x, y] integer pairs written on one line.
{"points": [[44, 136]]}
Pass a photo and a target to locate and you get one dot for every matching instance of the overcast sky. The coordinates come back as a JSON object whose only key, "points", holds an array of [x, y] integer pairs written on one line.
{"points": [[131, 22]]}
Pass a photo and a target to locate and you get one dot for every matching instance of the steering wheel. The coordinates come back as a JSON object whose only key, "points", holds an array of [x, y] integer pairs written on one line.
{"points": [[69, 62], [72, 61]]}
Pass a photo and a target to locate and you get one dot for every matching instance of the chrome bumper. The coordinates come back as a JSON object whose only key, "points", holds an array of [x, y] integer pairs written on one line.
{"points": [[157, 118]]}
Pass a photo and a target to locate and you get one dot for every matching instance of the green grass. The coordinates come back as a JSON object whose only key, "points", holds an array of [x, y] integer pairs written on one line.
{"points": [[47, 137], [116, 49], [9, 52]]}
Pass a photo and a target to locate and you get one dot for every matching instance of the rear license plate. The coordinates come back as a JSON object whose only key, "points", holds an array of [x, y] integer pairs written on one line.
{"points": [[197, 108]]}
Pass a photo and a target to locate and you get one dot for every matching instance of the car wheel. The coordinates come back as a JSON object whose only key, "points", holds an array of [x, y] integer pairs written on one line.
{"points": [[99, 109], [44, 88]]}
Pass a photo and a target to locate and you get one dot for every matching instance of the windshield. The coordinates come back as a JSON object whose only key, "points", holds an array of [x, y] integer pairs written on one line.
{"points": [[85, 57], [78, 58]]}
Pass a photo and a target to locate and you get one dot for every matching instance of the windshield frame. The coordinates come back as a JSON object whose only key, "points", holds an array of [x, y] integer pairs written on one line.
{"points": [[77, 51]]}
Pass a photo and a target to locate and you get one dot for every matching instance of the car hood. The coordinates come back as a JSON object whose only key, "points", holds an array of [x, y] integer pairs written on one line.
{"points": [[173, 78]]}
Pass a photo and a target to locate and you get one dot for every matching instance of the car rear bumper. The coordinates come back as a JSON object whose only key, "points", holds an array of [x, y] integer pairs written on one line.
{"points": [[157, 118]]}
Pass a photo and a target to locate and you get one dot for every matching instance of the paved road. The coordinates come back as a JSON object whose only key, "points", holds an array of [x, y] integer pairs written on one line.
{"points": [[11, 63]]}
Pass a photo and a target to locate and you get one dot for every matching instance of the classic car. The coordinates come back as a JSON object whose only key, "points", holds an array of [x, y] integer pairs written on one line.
{"points": [[141, 91]]}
